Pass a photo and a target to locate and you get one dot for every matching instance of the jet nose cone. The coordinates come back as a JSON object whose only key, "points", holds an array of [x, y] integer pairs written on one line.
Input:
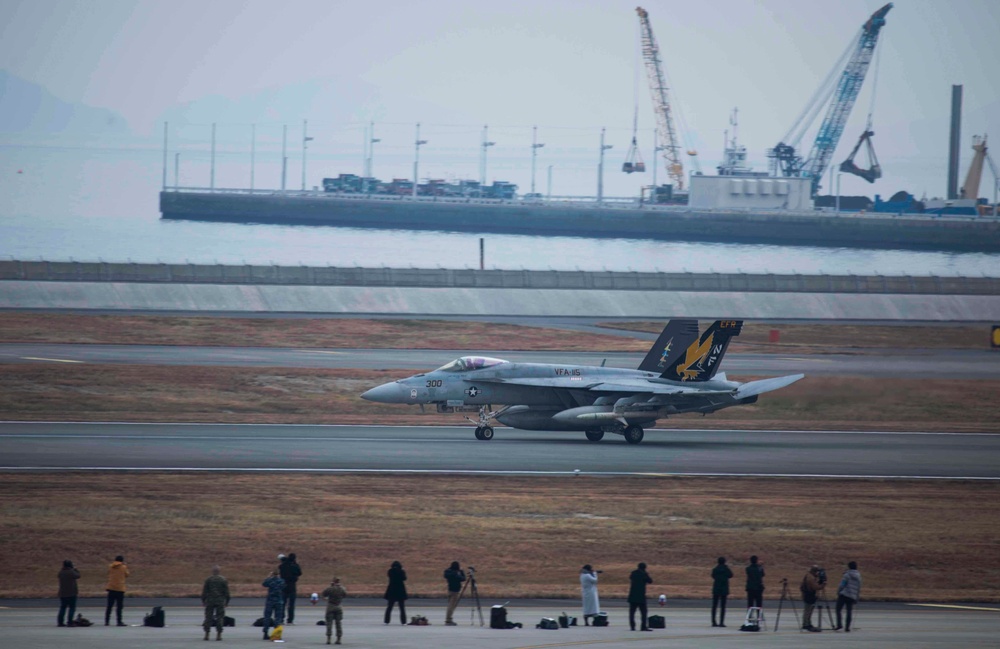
{"points": [[385, 393]]}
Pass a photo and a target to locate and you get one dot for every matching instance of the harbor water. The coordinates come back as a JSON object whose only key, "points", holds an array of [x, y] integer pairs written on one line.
{"points": [[92, 204]]}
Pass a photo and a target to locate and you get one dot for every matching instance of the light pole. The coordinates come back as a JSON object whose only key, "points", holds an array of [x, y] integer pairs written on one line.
{"points": [[211, 179], [600, 169], [305, 140], [548, 194], [535, 146], [416, 158], [165, 156], [370, 141], [253, 152], [656, 150], [284, 155], [177, 169], [482, 159]]}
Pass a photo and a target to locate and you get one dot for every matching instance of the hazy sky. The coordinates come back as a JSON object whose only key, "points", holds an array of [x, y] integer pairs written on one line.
{"points": [[568, 67]]}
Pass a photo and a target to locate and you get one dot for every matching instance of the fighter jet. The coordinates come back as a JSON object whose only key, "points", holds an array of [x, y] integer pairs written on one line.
{"points": [[678, 374]]}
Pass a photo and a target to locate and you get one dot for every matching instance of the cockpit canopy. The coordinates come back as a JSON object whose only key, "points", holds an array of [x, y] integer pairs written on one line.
{"points": [[467, 363]]}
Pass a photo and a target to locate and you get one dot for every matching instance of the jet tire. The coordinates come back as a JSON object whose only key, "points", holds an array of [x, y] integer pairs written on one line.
{"points": [[595, 435], [486, 433], [633, 434], [479, 432]]}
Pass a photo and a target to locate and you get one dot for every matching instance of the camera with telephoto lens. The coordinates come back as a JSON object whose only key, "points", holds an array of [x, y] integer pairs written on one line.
{"points": [[471, 568], [821, 576]]}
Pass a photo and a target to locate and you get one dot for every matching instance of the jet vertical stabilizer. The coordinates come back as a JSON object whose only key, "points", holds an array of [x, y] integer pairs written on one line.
{"points": [[701, 359], [674, 339]]}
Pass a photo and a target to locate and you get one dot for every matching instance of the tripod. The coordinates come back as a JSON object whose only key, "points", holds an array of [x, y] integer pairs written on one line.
{"points": [[474, 593], [823, 603], [784, 596]]}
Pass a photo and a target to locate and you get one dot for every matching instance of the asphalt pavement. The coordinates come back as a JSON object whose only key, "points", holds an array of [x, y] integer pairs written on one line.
{"points": [[687, 626], [965, 364], [442, 449]]}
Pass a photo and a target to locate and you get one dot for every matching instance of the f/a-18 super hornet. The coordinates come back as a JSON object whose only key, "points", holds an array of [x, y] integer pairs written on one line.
{"points": [[678, 375]]}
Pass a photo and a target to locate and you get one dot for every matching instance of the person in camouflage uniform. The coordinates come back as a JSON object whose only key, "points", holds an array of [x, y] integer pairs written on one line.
{"points": [[334, 595], [274, 606], [215, 599]]}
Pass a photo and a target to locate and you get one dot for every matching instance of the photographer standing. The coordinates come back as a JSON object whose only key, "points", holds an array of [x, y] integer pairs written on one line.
{"points": [[68, 591], [848, 593], [334, 596], [396, 592], [637, 596], [274, 605], [812, 583], [721, 574], [755, 583], [455, 576], [290, 571], [117, 573], [588, 585]]}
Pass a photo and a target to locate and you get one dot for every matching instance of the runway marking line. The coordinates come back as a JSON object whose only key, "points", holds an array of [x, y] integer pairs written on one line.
{"points": [[958, 607], [51, 360]]}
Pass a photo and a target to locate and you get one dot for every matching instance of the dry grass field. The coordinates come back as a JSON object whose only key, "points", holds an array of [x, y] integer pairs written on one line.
{"points": [[449, 334], [527, 536], [85, 392]]}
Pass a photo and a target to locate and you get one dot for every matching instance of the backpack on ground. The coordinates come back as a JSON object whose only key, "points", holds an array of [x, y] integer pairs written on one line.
{"points": [[548, 623], [156, 619], [601, 619], [657, 622], [498, 617]]}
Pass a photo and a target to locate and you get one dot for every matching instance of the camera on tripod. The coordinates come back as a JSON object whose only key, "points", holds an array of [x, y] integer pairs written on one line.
{"points": [[821, 576], [471, 569]]}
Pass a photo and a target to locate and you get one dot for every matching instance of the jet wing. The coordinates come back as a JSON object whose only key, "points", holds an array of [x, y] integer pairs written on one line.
{"points": [[754, 388], [649, 387], [629, 386]]}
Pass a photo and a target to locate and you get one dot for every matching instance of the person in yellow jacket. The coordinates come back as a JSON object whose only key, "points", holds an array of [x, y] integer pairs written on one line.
{"points": [[117, 572]]}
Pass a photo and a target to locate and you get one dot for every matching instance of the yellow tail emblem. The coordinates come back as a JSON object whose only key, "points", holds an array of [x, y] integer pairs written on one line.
{"points": [[696, 352]]}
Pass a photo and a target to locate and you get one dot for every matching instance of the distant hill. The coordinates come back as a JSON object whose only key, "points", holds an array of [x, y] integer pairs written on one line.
{"points": [[27, 108]]}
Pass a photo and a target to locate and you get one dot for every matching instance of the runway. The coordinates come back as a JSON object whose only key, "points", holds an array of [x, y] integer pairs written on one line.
{"points": [[966, 364], [443, 450]]}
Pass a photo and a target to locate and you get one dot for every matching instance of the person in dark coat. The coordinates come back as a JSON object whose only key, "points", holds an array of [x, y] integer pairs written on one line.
{"points": [[290, 571], [637, 596], [721, 574], [68, 592], [454, 575], [755, 583], [395, 592]]}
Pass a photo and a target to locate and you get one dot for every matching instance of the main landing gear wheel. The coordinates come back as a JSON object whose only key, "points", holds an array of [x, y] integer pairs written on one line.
{"points": [[633, 434], [595, 435], [484, 433]]}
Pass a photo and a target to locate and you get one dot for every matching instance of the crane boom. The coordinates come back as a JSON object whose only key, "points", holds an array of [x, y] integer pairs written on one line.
{"points": [[970, 188], [661, 101], [839, 109]]}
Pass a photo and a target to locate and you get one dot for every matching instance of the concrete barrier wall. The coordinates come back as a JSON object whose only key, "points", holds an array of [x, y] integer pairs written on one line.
{"points": [[395, 300], [512, 279]]}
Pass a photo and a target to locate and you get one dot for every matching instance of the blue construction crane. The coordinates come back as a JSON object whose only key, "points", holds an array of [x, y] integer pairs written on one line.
{"points": [[838, 93]]}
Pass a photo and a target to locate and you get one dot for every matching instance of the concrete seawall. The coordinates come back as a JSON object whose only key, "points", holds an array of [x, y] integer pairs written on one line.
{"points": [[272, 289], [879, 231]]}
